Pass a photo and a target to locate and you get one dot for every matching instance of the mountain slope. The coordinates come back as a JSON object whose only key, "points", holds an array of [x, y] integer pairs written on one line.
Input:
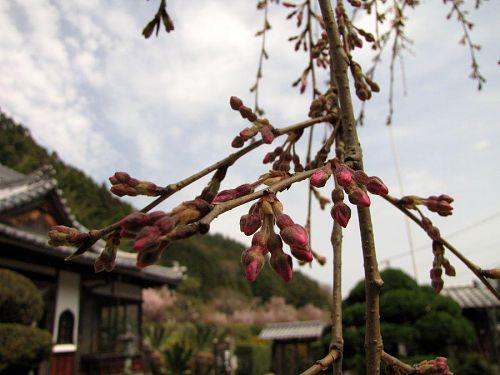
{"points": [[212, 261]]}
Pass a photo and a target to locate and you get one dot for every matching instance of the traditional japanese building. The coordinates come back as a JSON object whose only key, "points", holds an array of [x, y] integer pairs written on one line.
{"points": [[95, 319]]}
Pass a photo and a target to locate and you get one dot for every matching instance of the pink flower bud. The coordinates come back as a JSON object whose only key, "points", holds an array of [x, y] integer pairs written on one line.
{"points": [[284, 221], [269, 158], [320, 177], [434, 233], [250, 223], [295, 235], [253, 261], [267, 135], [146, 238], [301, 253], [437, 285], [359, 198], [248, 132], [149, 257], [237, 142], [282, 264], [225, 195], [165, 224], [274, 244], [121, 177], [133, 221], [376, 186], [247, 113], [341, 213], [120, 190], [235, 102], [260, 239], [361, 177], [244, 190], [152, 217], [446, 198], [436, 273], [343, 176]]}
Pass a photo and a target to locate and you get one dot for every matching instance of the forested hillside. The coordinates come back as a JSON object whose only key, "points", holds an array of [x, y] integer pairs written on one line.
{"points": [[213, 262]]}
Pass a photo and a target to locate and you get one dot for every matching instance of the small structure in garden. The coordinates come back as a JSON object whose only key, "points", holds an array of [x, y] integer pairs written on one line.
{"points": [[94, 318], [481, 308], [295, 344]]}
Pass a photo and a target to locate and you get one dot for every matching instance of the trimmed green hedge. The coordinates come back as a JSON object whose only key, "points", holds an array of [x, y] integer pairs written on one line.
{"points": [[253, 359], [23, 346], [20, 300]]}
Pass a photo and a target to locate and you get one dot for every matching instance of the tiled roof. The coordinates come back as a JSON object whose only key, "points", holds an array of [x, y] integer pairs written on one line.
{"points": [[471, 297], [17, 190], [312, 329]]}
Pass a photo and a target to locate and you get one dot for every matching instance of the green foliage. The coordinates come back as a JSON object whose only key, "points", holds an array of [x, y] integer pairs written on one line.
{"points": [[22, 346], [177, 358], [92, 204], [427, 324], [472, 364], [253, 358], [393, 279], [20, 300]]}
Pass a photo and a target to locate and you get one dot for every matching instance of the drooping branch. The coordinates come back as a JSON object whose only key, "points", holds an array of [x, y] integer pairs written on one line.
{"points": [[470, 265], [353, 156]]}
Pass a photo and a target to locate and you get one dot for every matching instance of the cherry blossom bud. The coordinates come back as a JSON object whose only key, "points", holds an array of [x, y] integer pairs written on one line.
{"points": [[302, 254], [133, 222], [267, 135], [260, 239], [376, 186], [121, 177], [436, 273], [434, 233], [235, 102], [244, 189], [165, 224], [446, 198], [282, 264], [269, 158], [250, 223], [359, 198], [247, 113], [253, 261], [437, 285], [274, 244], [283, 221], [361, 177], [237, 142], [343, 176], [320, 177], [147, 238], [341, 213], [61, 235], [295, 235], [225, 195], [120, 190], [184, 231], [248, 132], [149, 257]]}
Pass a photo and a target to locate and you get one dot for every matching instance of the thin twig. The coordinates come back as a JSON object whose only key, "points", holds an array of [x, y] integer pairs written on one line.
{"points": [[393, 361], [470, 265], [322, 364]]}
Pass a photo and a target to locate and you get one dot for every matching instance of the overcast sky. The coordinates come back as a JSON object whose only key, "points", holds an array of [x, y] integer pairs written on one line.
{"points": [[85, 82]]}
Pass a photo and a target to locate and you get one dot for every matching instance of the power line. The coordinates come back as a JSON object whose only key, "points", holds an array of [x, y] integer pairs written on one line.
{"points": [[460, 231]]}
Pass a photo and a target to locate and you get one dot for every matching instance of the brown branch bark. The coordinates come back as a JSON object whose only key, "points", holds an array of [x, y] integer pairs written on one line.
{"points": [[470, 265], [353, 157], [337, 342], [322, 364], [393, 361], [96, 234]]}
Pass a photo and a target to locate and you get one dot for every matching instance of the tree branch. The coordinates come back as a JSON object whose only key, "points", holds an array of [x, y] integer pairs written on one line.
{"points": [[473, 267], [322, 364], [393, 361], [353, 156]]}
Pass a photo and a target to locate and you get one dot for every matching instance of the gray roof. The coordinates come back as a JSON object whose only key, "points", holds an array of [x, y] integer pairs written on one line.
{"points": [[17, 190], [471, 297], [297, 330]]}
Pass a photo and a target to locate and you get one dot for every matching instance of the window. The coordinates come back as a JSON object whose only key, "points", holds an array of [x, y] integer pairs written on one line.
{"points": [[66, 324], [115, 321]]}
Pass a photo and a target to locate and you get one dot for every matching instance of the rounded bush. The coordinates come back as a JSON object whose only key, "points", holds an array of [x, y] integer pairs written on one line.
{"points": [[20, 300], [23, 346]]}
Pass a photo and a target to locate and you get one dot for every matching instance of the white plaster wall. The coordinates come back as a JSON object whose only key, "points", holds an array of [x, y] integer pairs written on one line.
{"points": [[67, 298]]}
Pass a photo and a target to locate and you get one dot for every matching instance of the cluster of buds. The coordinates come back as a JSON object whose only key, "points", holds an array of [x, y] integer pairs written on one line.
{"points": [[438, 204], [282, 160], [364, 85], [439, 263], [319, 52], [152, 232], [106, 260], [123, 184], [324, 103], [263, 215], [352, 182], [61, 235], [437, 366], [261, 126], [230, 194]]}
